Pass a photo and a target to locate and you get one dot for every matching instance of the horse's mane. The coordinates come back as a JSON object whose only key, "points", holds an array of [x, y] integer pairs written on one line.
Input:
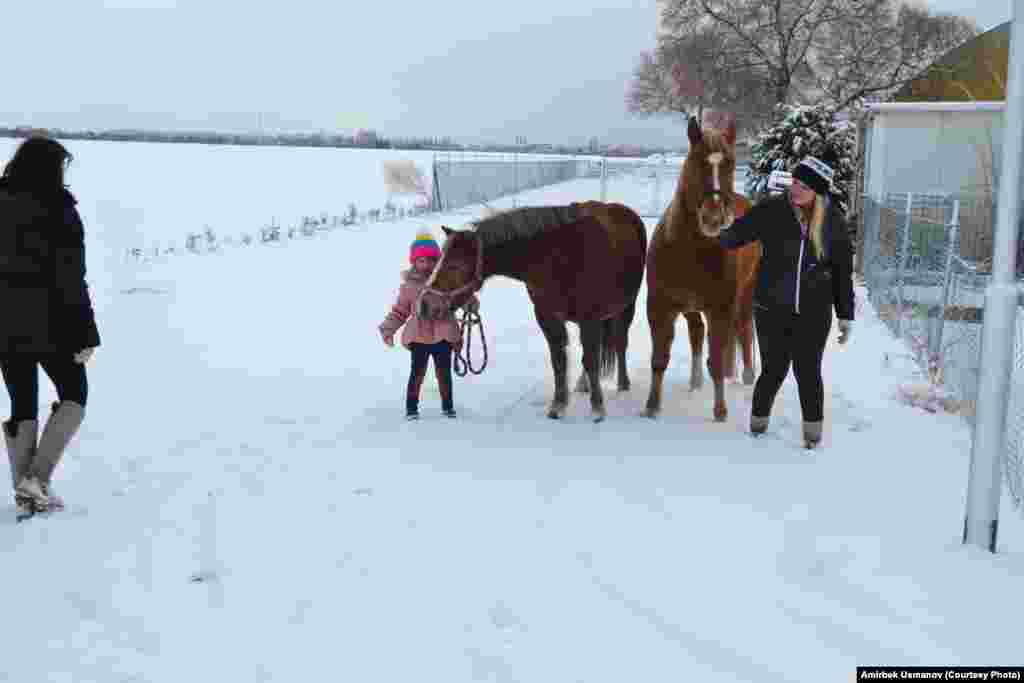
{"points": [[522, 224]]}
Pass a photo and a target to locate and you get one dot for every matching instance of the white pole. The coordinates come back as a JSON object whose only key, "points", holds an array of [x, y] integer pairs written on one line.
{"points": [[981, 521], [211, 570]]}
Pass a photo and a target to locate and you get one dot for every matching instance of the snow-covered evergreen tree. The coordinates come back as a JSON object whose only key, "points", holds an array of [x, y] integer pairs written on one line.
{"points": [[799, 131]]}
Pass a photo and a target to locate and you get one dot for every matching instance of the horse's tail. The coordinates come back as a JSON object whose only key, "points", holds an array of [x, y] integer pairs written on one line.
{"points": [[614, 333], [615, 330], [608, 359]]}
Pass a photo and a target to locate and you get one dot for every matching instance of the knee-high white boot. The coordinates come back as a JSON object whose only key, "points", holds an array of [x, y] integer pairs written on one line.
{"points": [[65, 419], [20, 439]]}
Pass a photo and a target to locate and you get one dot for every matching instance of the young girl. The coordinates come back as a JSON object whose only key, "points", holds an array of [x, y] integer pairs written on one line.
{"points": [[425, 339]]}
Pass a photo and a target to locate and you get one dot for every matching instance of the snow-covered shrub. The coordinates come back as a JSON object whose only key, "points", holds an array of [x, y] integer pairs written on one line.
{"points": [[799, 131], [930, 395], [933, 398], [402, 176]]}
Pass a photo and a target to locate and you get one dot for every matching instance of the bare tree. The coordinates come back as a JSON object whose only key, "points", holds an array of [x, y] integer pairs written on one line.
{"points": [[691, 73], [853, 63], [652, 90], [808, 50]]}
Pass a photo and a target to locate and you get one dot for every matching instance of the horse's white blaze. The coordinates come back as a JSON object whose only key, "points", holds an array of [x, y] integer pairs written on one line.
{"points": [[715, 158]]}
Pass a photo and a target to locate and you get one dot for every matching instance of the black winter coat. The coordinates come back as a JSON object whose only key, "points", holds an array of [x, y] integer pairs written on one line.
{"points": [[44, 299], [785, 253]]}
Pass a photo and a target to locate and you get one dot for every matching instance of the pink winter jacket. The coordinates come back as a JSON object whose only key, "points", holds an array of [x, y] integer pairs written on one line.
{"points": [[418, 331]]}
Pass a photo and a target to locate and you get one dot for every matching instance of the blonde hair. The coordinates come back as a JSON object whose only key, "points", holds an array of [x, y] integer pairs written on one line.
{"points": [[814, 215]]}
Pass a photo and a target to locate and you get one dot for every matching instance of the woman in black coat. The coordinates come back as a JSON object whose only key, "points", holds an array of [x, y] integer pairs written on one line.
{"points": [[806, 271], [48, 318]]}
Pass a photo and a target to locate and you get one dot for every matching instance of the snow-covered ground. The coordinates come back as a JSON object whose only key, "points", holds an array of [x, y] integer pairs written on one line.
{"points": [[246, 502]]}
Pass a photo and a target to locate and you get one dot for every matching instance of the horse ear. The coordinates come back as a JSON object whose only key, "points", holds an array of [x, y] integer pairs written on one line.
{"points": [[730, 132], [693, 131], [446, 230]]}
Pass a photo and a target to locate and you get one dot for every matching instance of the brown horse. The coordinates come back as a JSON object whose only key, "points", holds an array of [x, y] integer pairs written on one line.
{"points": [[581, 263], [689, 273]]}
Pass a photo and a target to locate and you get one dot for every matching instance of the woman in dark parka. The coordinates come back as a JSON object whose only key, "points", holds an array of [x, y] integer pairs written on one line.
{"points": [[806, 271], [48, 318]]}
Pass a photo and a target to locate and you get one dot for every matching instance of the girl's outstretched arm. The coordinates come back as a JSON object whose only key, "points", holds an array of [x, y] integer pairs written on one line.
{"points": [[399, 313]]}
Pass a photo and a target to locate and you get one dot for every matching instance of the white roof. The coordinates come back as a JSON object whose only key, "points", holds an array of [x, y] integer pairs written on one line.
{"points": [[908, 107]]}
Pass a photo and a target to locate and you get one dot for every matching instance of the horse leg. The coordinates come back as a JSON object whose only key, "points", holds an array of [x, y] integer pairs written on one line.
{"points": [[723, 341], [695, 325], [661, 317], [557, 337], [745, 330], [591, 333], [622, 325], [728, 359], [583, 383]]}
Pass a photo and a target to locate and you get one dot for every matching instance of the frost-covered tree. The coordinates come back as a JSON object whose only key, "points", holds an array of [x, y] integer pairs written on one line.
{"points": [[800, 131], [836, 51]]}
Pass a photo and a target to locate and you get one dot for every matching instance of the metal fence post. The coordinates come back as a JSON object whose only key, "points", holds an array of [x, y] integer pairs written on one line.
{"points": [[435, 201], [981, 518], [904, 255], [954, 229], [656, 200], [515, 173], [604, 179], [866, 217]]}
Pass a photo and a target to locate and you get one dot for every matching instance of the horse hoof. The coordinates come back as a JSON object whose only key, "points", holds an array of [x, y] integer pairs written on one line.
{"points": [[720, 417], [598, 415], [650, 412], [556, 411]]}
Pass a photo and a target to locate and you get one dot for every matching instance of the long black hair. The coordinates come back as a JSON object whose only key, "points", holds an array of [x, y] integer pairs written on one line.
{"points": [[38, 166]]}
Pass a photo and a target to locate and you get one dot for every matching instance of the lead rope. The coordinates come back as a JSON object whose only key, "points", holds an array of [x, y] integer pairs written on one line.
{"points": [[464, 363]]}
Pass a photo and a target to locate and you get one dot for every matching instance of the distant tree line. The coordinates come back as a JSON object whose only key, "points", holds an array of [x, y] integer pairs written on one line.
{"points": [[361, 139]]}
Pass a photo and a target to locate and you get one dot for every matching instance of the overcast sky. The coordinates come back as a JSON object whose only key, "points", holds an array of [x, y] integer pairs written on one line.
{"points": [[551, 70]]}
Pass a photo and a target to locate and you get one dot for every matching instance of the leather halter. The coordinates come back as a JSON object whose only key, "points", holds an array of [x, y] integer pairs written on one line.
{"points": [[472, 286]]}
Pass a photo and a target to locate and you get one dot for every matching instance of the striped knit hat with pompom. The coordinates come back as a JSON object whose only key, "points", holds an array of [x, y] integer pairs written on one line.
{"points": [[424, 245]]}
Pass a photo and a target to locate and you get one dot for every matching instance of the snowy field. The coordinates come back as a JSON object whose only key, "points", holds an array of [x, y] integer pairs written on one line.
{"points": [[246, 502], [146, 195]]}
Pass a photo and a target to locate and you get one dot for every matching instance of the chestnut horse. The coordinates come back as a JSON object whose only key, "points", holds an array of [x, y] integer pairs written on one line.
{"points": [[582, 263], [689, 273]]}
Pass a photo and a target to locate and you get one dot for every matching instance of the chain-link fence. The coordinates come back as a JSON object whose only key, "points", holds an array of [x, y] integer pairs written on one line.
{"points": [[464, 179], [645, 185], [927, 261]]}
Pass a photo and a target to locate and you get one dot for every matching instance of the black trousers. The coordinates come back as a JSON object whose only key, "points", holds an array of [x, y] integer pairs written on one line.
{"points": [[441, 352], [22, 379], [786, 338]]}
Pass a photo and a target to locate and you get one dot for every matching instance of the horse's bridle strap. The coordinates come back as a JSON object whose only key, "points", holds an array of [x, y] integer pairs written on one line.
{"points": [[473, 285]]}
